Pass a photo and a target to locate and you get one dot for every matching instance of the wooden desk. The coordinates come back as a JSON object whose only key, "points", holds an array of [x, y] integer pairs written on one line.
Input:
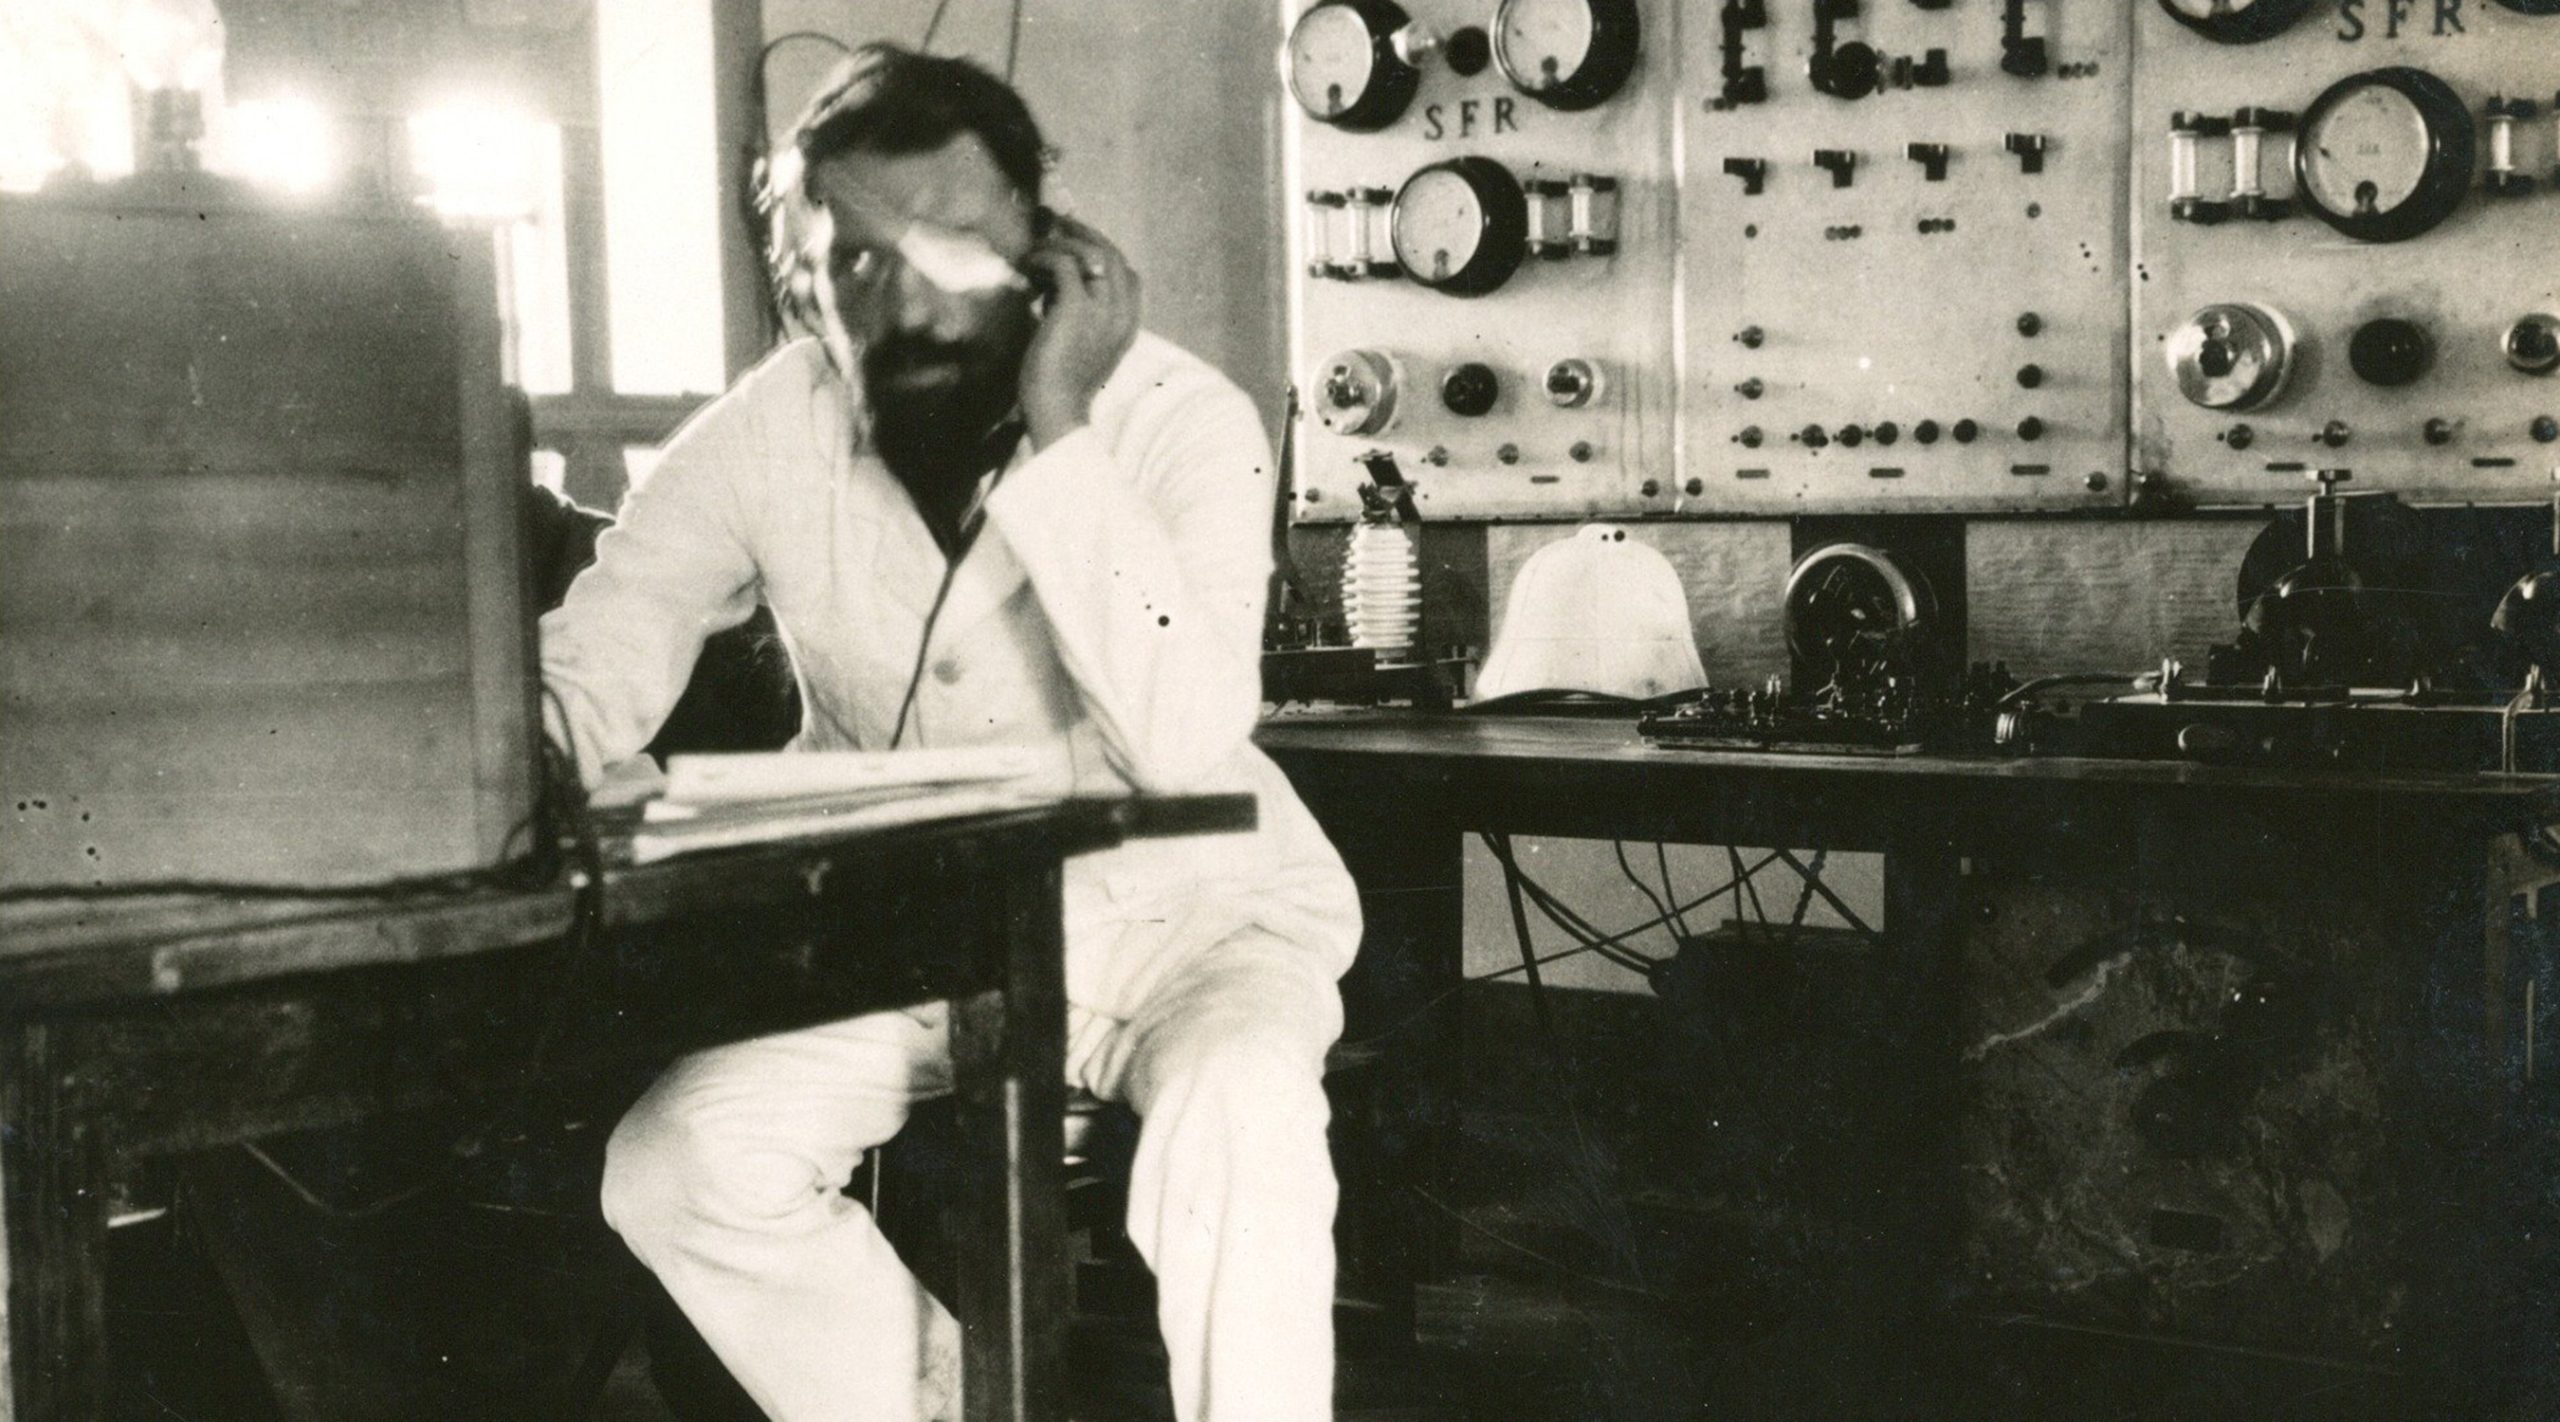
{"points": [[2425, 871], [132, 1028]]}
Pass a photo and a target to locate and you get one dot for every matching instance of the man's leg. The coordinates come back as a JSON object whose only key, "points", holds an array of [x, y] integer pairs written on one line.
{"points": [[1231, 1198], [726, 1179]]}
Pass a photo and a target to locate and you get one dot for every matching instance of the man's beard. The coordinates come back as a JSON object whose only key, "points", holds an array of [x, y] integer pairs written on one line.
{"points": [[937, 433]]}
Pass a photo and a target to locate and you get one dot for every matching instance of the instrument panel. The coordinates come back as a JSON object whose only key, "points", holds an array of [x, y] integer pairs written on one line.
{"points": [[1566, 259], [2347, 250], [1483, 241], [1903, 257]]}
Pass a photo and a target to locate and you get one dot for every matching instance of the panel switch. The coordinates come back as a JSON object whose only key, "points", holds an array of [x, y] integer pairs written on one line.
{"points": [[1470, 389]]}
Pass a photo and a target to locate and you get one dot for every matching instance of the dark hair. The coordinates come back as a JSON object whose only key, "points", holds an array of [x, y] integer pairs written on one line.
{"points": [[884, 99]]}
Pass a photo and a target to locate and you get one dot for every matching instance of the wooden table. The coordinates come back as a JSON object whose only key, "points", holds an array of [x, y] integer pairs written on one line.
{"points": [[2434, 863], [129, 1028]]}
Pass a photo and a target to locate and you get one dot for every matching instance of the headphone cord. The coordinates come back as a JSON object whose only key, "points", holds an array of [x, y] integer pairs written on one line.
{"points": [[1005, 436], [924, 643]]}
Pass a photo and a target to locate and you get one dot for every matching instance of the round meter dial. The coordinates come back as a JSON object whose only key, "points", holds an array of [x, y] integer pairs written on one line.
{"points": [[1462, 226], [1345, 67], [2237, 21], [1566, 54], [2385, 155]]}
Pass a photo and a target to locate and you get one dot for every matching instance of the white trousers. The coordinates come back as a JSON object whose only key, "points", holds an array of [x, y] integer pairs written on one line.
{"points": [[726, 1179]]}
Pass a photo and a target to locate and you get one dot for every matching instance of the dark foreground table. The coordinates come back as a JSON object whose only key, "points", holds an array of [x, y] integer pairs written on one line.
{"points": [[132, 1028]]}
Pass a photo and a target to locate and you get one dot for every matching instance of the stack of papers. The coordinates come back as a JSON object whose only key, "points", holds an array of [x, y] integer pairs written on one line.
{"points": [[718, 801]]}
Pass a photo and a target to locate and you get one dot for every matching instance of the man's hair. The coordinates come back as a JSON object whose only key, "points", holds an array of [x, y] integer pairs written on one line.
{"points": [[884, 99]]}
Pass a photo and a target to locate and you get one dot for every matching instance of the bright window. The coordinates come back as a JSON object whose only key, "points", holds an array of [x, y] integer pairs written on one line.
{"points": [[662, 205]]}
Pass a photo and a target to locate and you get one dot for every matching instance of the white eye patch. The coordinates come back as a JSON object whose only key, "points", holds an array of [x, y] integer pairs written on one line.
{"points": [[960, 263]]}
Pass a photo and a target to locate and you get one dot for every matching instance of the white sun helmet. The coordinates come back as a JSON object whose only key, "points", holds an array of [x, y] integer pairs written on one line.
{"points": [[1595, 611]]}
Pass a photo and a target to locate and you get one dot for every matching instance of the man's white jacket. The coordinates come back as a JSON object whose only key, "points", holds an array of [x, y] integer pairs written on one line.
{"points": [[1111, 610]]}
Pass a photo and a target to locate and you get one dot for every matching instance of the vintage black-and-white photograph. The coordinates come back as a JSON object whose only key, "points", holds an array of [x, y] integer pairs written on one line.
{"points": [[1279, 710]]}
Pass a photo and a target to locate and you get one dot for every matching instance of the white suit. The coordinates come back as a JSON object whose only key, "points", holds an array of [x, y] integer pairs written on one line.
{"points": [[1111, 610]]}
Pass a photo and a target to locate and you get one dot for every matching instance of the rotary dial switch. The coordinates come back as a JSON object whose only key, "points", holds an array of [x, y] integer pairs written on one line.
{"points": [[1470, 390], [1572, 383], [2234, 356], [2390, 350], [2532, 344], [1356, 392]]}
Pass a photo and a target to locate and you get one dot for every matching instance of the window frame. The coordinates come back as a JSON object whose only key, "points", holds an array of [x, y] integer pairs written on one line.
{"points": [[590, 425]]}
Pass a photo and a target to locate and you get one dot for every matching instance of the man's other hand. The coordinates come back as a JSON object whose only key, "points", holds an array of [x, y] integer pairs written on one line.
{"points": [[1091, 321]]}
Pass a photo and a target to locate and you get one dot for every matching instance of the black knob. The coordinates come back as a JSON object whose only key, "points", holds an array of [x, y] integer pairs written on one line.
{"points": [[1750, 389], [2031, 429], [2030, 376], [1508, 454], [1965, 431], [1850, 436], [1850, 71], [1750, 436], [2545, 429], [1888, 432], [1468, 51], [2030, 324], [1470, 389], [2240, 437], [2334, 433], [1750, 336], [2389, 351], [2438, 431], [1926, 431], [1814, 437]]}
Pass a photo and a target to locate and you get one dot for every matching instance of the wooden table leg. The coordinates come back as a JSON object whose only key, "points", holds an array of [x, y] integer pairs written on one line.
{"points": [[1402, 994], [1008, 1050], [53, 1205]]}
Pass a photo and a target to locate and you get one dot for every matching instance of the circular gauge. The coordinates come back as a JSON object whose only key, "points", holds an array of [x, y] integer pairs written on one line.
{"points": [[1344, 65], [2385, 155], [1851, 608], [2237, 21], [1566, 54], [1461, 226]]}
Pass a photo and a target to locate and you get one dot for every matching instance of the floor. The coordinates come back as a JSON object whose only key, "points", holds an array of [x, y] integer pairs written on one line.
{"points": [[1594, 1281]]}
